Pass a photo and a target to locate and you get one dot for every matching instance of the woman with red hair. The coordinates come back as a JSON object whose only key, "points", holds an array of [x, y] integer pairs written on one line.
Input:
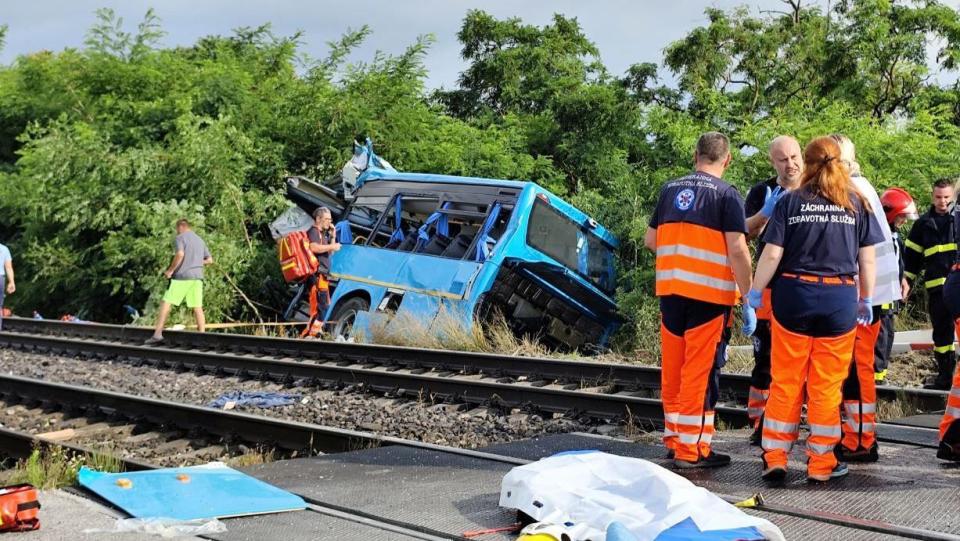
{"points": [[819, 241]]}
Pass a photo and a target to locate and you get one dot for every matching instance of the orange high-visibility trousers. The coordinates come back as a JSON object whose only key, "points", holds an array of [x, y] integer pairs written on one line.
{"points": [[860, 391], [688, 362], [952, 413], [319, 302], [821, 363]]}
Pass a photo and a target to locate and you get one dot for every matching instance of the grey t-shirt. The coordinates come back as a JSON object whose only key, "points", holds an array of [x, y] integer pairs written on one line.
{"points": [[4, 257], [194, 252]]}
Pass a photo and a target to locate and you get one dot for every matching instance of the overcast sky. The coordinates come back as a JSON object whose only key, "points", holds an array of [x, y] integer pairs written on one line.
{"points": [[625, 31]]}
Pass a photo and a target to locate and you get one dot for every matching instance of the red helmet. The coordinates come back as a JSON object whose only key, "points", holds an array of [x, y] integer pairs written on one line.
{"points": [[897, 202]]}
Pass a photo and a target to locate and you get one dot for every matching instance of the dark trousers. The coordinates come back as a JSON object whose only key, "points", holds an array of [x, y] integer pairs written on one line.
{"points": [[3, 290], [760, 376], [943, 336], [884, 348]]}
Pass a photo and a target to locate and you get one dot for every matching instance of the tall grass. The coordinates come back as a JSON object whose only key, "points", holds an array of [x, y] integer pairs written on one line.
{"points": [[53, 467]]}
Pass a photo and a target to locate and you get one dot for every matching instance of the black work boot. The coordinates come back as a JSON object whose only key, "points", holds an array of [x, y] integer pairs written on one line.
{"points": [[713, 460], [860, 455], [946, 362], [950, 445]]}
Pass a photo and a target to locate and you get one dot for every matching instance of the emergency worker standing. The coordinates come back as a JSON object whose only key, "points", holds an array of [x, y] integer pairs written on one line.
{"points": [[949, 448], [322, 244], [786, 156], [898, 207], [816, 238], [930, 250], [859, 442], [698, 233]]}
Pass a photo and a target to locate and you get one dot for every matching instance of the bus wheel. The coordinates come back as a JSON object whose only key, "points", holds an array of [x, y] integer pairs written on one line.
{"points": [[346, 314]]}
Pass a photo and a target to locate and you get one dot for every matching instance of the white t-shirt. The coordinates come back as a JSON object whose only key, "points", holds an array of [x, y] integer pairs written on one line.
{"points": [[4, 257]]}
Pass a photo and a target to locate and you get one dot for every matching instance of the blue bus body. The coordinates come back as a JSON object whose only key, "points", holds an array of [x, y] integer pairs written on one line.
{"points": [[512, 246]]}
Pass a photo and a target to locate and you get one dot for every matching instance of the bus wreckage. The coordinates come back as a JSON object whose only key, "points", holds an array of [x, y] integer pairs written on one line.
{"points": [[420, 244]]}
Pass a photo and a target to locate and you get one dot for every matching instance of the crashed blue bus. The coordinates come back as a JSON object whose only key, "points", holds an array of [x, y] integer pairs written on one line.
{"points": [[419, 244]]}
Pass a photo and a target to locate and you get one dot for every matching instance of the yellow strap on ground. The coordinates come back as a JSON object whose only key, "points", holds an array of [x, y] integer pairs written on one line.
{"points": [[950, 247], [910, 275]]}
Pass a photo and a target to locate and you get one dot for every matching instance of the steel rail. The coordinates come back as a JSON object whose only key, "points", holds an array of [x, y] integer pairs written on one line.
{"points": [[732, 386], [433, 385], [301, 436]]}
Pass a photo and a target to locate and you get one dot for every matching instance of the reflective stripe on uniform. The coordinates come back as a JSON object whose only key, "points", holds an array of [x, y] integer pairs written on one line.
{"points": [[768, 443], [949, 247], [691, 420], [854, 408], [944, 349], [955, 392], [910, 275], [825, 430], [953, 411], [695, 253], [696, 278], [934, 283], [819, 448], [913, 246], [754, 412], [773, 424], [689, 438]]}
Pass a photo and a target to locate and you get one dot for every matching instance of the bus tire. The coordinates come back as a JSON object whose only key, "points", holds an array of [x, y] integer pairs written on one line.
{"points": [[346, 313]]}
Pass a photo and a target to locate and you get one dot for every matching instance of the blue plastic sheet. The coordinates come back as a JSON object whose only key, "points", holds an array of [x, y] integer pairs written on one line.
{"points": [[258, 400], [688, 531], [199, 492]]}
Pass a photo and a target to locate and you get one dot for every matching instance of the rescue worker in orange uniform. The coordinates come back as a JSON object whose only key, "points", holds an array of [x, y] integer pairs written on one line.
{"points": [[820, 238], [698, 233], [786, 156], [859, 442], [322, 244], [950, 424]]}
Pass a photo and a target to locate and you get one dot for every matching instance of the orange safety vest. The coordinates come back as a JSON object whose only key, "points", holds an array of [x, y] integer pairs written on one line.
{"points": [[692, 262]]}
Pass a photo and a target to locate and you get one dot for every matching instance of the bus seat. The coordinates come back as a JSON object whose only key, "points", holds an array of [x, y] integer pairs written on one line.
{"points": [[436, 245], [458, 246]]}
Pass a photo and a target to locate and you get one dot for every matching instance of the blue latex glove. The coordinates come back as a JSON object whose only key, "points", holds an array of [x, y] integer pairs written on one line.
{"points": [[755, 299], [865, 311], [749, 320], [770, 200]]}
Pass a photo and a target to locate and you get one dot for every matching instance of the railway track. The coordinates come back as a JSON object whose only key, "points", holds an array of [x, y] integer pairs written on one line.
{"points": [[303, 438], [597, 389]]}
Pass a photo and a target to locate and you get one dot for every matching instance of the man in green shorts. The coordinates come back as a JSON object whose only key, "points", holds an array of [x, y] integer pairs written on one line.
{"points": [[186, 278]]}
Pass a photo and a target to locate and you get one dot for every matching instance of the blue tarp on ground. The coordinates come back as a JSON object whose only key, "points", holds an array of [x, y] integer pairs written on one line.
{"points": [[255, 399], [199, 492]]}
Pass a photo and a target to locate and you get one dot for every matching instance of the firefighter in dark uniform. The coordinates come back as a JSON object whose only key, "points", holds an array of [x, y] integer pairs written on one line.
{"points": [[930, 250], [787, 159], [698, 233]]}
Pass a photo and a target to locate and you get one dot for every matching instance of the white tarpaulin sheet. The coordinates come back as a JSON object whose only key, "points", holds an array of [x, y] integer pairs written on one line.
{"points": [[592, 489]]}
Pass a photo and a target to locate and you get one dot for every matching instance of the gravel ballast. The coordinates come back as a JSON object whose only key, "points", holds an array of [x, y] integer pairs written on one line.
{"points": [[444, 424]]}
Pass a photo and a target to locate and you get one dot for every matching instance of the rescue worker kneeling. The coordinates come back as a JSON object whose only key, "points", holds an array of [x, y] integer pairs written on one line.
{"points": [[698, 233], [814, 241]]}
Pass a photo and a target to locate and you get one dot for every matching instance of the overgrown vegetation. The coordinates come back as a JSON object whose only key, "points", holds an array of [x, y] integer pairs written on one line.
{"points": [[52, 467], [104, 146]]}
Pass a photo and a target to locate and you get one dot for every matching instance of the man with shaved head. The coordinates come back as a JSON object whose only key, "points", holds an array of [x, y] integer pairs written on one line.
{"points": [[787, 159]]}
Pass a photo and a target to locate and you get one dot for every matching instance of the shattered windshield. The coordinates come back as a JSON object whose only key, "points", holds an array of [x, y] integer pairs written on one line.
{"points": [[572, 245]]}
